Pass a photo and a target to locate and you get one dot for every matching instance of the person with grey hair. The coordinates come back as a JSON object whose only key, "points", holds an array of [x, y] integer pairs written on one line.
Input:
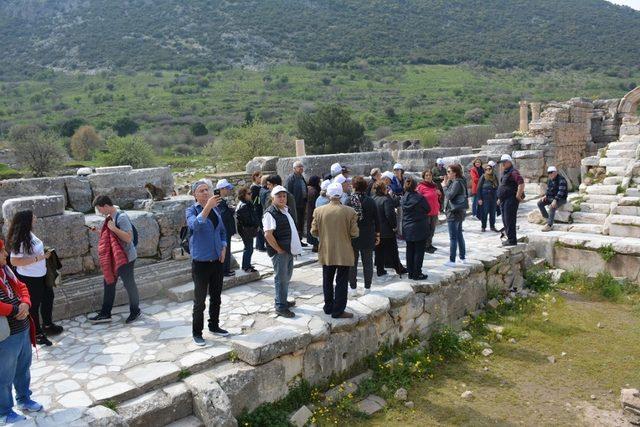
{"points": [[375, 175], [208, 248], [297, 185]]}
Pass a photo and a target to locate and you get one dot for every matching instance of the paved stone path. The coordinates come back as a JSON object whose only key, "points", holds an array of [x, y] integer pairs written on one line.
{"points": [[89, 363]]}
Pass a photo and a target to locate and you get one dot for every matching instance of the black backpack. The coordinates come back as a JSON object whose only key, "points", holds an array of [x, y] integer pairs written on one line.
{"points": [[134, 230], [185, 234]]}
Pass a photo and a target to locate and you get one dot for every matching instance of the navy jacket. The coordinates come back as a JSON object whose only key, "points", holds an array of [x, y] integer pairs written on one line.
{"points": [[557, 189], [414, 217]]}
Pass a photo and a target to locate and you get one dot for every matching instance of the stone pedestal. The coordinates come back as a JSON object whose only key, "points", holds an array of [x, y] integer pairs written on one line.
{"points": [[535, 111], [524, 117], [300, 150]]}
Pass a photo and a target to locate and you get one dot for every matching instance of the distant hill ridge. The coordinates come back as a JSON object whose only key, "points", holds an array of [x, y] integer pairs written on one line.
{"points": [[178, 34]]}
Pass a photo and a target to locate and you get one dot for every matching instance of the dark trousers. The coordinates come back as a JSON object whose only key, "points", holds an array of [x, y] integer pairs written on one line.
{"points": [[207, 277], [227, 257], [488, 208], [129, 282], [509, 216], [367, 267], [248, 251], [37, 293], [300, 220], [432, 223], [335, 303], [415, 257], [551, 215], [387, 255], [260, 240]]}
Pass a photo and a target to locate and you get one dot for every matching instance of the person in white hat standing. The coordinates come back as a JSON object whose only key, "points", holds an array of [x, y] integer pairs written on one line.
{"points": [[283, 243], [510, 194], [223, 189], [335, 225], [556, 196]]}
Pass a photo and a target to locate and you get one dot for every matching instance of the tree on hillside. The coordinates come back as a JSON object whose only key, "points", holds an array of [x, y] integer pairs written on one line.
{"points": [[125, 126], [330, 130], [128, 150], [475, 115], [40, 152], [69, 127], [84, 142], [199, 129]]}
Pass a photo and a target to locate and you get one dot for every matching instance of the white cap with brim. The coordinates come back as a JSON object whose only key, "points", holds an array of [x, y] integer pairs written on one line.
{"points": [[324, 185], [388, 175], [505, 158], [334, 190], [340, 179], [223, 183], [551, 169], [492, 163], [336, 169], [439, 161], [398, 166], [278, 189]]}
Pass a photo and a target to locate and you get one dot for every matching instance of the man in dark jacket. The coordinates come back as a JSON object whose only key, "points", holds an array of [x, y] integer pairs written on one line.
{"points": [[555, 196], [223, 188], [510, 194], [297, 185]]}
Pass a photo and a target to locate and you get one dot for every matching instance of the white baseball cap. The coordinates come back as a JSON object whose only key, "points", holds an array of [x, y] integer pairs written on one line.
{"points": [[492, 163], [334, 190], [340, 179], [398, 166], [336, 169], [324, 184], [278, 189], [387, 174], [551, 169], [223, 183], [505, 158], [439, 161]]}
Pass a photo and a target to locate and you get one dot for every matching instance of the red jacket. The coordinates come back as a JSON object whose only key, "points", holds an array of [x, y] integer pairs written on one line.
{"points": [[475, 178], [20, 289], [110, 253], [430, 192]]}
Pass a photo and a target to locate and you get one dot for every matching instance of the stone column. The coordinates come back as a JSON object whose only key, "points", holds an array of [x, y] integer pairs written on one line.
{"points": [[300, 151], [535, 111], [524, 117]]}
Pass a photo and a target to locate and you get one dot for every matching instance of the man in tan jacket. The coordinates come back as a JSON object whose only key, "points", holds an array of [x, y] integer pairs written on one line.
{"points": [[335, 225]]}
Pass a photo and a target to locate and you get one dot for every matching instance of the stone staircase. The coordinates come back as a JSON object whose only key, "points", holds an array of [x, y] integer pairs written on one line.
{"points": [[608, 202]]}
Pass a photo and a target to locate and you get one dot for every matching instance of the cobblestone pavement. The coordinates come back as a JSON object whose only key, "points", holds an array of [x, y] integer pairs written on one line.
{"points": [[95, 363]]}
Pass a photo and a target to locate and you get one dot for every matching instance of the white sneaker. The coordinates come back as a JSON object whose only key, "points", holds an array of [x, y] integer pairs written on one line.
{"points": [[352, 292], [450, 264], [464, 261]]}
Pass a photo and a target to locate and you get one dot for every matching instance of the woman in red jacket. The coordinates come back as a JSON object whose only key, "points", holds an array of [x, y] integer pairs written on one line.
{"points": [[476, 172], [429, 190], [15, 345]]}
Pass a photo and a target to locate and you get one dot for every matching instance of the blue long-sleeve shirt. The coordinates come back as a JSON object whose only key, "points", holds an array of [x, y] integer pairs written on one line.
{"points": [[207, 241]]}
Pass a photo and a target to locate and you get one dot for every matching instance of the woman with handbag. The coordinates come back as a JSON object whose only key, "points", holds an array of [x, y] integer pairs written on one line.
{"points": [[17, 335], [248, 223], [30, 259], [456, 205]]}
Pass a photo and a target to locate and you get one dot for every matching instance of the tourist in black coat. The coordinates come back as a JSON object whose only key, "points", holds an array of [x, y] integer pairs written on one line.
{"points": [[248, 221], [387, 250], [414, 227]]}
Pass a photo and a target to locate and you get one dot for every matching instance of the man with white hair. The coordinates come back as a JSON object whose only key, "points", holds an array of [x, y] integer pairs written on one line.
{"points": [[510, 194], [335, 225], [283, 244], [297, 185], [555, 196]]}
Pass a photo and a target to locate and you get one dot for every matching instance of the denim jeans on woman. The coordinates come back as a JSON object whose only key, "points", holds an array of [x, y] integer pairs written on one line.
{"points": [[15, 353], [456, 239]]}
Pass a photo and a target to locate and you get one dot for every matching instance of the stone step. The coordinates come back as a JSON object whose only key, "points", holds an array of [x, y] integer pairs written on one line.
{"points": [[584, 228], [588, 218], [632, 192], [602, 208], [616, 170], [623, 145], [158, 407], [624, 154], [624, 226], [190, 421], [615, 162], [612, 180], [602, 198], [630, 138], [184, 292], [608, 190], [627, 210], [84, 295]]}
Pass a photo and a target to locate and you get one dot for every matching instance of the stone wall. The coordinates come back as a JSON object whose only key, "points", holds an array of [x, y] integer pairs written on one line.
{"points": [[358, 163], [420, 160]]}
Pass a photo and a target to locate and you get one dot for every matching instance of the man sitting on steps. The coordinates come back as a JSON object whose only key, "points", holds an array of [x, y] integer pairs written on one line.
{"points": [[555, 196]]}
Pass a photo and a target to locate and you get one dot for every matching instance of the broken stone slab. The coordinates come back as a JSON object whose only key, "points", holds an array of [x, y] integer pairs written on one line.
{"points": [[114, 169], [378, 303], [371, 404], [42, 206], [148, 375], [148, 232], [158, 407], [399, 293], [126, 187], [265, 345], [13, 188], [262, 164], [342, 390], [210, 403], [301, 416], [66, 233], [79, 194]]}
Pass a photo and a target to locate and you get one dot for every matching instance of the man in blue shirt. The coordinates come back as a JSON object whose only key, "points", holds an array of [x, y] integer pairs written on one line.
{"points": [[207, 244]]}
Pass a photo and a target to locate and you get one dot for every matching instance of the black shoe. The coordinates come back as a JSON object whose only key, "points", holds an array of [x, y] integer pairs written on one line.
{"points": [[291, 304], [261, 250], [99, 318], [133, 317], [495, 230], [314, 248], [219, 331], [508, 243], [286, 313], [304, 245], [199, 341], [419, 277], [484, 229], [430, 249], [384, 273], [250, 270], [41, 339], [230, 274], [52, 329], [402, 271]]}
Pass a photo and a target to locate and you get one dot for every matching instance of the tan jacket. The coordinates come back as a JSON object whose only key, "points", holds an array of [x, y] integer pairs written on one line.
{"points": [[335, 225]]}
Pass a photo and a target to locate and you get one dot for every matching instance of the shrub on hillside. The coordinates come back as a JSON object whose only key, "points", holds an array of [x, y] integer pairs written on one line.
{"points": [[125, 126], [475, 115], [84, 142], [40, 152], [128, 150], [331, 130]]}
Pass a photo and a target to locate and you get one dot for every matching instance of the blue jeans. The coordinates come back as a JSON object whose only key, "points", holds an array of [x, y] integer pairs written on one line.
{"points": [[488, 208], [248, 251], [15, 353], [283, 269], [474, 206], [456, 240]]}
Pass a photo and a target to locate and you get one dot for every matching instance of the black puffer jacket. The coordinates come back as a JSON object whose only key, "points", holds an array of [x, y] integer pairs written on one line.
{"points": [[414, 217], [386, 215]]}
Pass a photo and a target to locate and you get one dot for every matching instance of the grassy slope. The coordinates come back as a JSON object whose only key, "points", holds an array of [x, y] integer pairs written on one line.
{"points": [[521, 387]]}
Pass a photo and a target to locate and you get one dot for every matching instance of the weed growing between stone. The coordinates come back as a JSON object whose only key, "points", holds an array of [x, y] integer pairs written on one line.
{"points": [[601, 287], [538, 280], [607, 252]]}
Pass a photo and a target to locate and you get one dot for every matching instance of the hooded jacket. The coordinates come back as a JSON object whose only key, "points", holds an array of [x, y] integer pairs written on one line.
{"points": [[110, 254]]}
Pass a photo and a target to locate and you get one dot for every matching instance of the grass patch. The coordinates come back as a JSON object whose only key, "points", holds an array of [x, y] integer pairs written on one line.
{"points": [[606, 252], [601, 287], [538, 280], [184, 373], [111, 404], [276, 414], [7, 173]]}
